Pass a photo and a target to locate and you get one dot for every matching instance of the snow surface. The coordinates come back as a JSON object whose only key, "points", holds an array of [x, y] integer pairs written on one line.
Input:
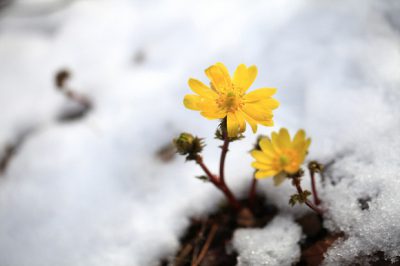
{"points": [[275, 244], [92, 192]]}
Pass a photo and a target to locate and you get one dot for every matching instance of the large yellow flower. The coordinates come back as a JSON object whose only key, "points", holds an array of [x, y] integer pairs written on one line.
{"points": [[227, 97], [280, 155]]}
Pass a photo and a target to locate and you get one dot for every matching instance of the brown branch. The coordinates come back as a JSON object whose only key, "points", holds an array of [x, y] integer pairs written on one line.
{"points": [[206, 246], [197, 241]]}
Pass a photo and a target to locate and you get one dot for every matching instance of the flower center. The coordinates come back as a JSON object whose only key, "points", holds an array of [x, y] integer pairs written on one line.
{"points": [[229, 101], [289, 161]]}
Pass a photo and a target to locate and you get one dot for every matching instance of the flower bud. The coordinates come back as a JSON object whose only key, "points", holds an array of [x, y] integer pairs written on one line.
{"points": [[187, 144], [315, 167]]}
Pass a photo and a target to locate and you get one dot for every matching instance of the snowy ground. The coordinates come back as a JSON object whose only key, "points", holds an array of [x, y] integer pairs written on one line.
{"points": [[92, 192]]}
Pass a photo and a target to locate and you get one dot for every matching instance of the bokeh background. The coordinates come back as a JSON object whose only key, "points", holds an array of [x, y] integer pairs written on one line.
{"points": [[100, 186]]}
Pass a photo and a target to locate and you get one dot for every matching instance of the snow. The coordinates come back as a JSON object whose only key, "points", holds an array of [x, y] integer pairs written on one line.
{"points": [[93, 192], [275, 244]]}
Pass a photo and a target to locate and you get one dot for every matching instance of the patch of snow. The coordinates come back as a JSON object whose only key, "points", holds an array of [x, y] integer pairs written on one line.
{"points": [[275, 244]]}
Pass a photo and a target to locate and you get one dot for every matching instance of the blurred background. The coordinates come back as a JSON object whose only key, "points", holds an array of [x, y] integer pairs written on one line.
{"points": [[91, 95]]}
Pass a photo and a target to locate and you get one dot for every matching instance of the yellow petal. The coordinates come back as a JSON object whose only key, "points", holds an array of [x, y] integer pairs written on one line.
{"points": [[241, 121], [232, 125], [251, 121], [256, 113], [191, 101], [259, 94], [269, 103], [264, 174], [267, 123], [275, 142], [308, 142], [208, 105], [252, 75], [212, 116], [260, 156], [219, 77], [261, 166], [266, 146], [279, 178], [244, 77], [299, 138], [201, 89], [284, 138]]}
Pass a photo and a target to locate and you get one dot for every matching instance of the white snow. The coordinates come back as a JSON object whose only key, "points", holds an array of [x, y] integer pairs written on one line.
{"points": [[275, 244], [92, 191]]}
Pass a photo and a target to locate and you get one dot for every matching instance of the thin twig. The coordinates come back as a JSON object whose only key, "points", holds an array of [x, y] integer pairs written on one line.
{"points": [[197, 241], [180, 259], [206, 246]]}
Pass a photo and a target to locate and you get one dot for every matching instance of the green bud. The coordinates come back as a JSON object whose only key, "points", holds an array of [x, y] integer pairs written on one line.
{"points": [[187, 144], [315, 167]]}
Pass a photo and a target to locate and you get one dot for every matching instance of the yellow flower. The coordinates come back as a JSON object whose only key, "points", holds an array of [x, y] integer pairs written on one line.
{"points": [[280, 155], [227, 97]]}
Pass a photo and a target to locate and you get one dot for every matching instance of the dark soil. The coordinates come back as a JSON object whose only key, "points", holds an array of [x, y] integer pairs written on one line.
{"points": [[207, 240]]}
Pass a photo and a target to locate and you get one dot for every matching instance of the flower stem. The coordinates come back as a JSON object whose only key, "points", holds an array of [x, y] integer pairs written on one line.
{"points": [[225, 149], [296, 182], [220, 185], [317, 201], [252, 192]]}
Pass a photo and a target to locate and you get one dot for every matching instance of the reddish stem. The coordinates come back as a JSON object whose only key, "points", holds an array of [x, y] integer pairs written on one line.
{"points": [[225, 148], [307, 202], [213, 178], [219, 184], [317, 201], [252, 192]]}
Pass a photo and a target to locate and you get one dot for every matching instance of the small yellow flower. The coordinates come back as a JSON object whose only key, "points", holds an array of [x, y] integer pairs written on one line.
{"points": [[227, 97], [280, 155]]}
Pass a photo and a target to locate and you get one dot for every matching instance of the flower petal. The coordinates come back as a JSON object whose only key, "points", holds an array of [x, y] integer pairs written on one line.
{"points": [[275, 142], [259, 94], [266, 146], [279, 178], [256, 112], [219, 77], [201, 89], [261, 166], [191, 102], [241, 121], [269, 103], [267, 123], [284, 138], [260, 156], [212, 115], [244, 77], [232, 125], [251, 121], [264, 174]]}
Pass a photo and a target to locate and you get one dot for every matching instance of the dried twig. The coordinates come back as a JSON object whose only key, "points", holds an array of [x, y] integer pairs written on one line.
{"points": [[206, 246]]}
